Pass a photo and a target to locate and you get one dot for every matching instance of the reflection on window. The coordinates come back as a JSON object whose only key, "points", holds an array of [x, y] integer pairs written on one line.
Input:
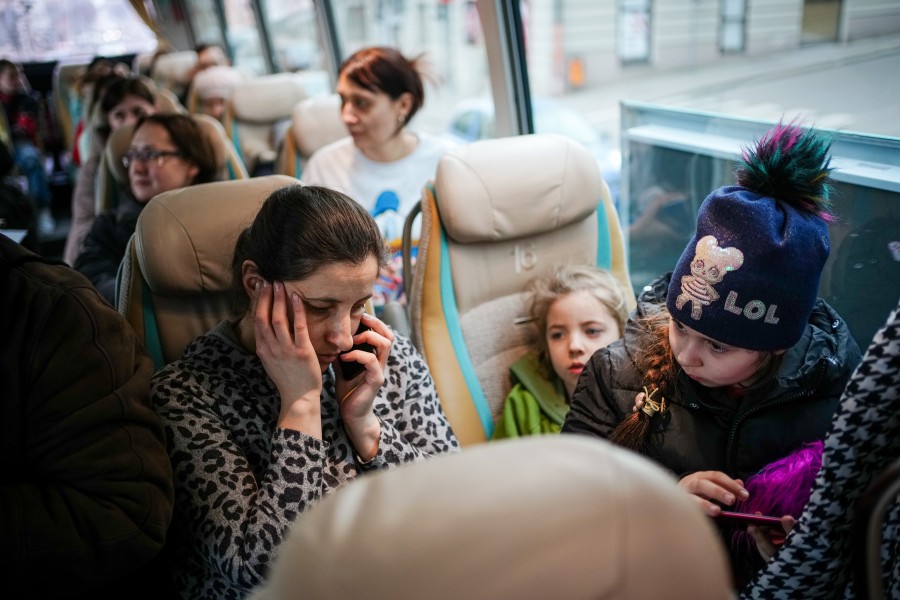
{"points": [[45, 30], [449, 35]]}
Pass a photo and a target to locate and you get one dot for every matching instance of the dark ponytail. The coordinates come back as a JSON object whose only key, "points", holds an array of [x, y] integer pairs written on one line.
{"points": [[299, 229]]}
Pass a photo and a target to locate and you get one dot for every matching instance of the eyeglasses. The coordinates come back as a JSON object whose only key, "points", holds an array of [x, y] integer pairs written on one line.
{"points": [[146, 156]]}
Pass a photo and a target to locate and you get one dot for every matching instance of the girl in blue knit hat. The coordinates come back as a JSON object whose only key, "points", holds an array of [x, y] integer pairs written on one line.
{"points": [[732, 361]]}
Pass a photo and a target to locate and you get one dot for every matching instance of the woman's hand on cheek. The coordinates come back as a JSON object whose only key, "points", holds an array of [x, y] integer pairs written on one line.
{"points": [[288, 357], [712, 488], [357, 396]]}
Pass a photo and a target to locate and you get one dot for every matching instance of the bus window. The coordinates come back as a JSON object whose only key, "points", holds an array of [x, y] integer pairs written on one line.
{"points": [[244, 37], [295, 39], [204, 22], [447, 32]]}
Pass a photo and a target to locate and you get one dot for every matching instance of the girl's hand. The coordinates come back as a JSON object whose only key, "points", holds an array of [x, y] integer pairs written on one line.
{"points": [[769, 540], [357, 396], [288, 356], [709, 487]]}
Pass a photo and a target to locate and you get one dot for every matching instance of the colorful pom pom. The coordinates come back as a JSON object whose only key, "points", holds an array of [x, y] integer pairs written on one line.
{"points": [[790, 164]]}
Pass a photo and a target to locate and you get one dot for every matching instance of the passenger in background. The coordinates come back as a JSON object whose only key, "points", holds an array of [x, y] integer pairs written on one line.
{"points": [[208, 56], [21, 111], [260, 420], [168, 151], [578, 309], [213, 88], [381, 91], [87, 486], [122, 101], [739, 362], [16, 210], [86, 92]]}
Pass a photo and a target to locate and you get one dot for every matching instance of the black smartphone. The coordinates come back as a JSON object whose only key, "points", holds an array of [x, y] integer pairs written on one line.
{"points": [[744, 519], [350, 369]]}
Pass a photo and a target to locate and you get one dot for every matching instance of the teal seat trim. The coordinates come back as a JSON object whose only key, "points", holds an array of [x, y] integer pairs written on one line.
{"points": [[152, 343], [451, 317], [604, 243], [298, 168], [236, 140]]}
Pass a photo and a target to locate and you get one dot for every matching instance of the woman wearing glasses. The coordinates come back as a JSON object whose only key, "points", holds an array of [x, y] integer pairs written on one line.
{"points": [[117, 101], [167, 151]]}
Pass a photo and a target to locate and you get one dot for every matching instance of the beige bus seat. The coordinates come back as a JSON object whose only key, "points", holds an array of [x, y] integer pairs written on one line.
{"points": [[64, 75], [501, 212], [168, 102], [173, 70], [112, 174], [5, 133], [141, 63], [176, 276], [257, 106], [315, 122], [562, 517]]}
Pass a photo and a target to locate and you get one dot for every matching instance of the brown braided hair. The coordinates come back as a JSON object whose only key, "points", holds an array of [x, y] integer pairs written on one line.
{"points": [[659, 368]]}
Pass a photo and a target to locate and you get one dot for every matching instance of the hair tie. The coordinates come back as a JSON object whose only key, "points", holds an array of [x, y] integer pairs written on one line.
{"points": [[651, 406]]}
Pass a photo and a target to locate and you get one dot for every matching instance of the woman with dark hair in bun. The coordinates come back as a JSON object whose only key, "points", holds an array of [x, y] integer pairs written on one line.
{"points": [[301, 392]]}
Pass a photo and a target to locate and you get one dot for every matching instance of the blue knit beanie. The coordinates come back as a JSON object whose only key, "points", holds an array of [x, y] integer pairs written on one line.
{"points": [[750, 275]]}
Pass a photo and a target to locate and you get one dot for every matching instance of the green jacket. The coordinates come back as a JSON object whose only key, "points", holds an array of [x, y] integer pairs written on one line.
{"points": [[534, 405]]}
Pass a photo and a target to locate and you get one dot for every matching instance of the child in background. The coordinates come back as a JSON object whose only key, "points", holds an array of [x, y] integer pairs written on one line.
{"points": [[578, 309]]}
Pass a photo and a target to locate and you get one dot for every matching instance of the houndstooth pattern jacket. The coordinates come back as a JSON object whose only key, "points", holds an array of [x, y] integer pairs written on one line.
{"points": [[864, 439]]}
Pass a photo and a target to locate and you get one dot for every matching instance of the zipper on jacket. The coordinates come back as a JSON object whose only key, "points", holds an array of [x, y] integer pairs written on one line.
{"points": [[821, 366]]}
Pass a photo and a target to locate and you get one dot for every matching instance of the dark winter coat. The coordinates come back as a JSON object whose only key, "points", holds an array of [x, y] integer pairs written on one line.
{"points": [[706, 429], [87, 490], [105, 244]]}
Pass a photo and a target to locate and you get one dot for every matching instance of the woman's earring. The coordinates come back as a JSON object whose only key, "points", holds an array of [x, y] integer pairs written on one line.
{"points": [[401, 119]]}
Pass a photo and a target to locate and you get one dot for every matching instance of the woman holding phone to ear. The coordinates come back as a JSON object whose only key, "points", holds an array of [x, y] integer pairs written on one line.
{"points": [[259, 422]]}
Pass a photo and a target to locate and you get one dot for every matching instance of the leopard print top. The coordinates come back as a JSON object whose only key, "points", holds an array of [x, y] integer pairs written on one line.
{"points": [[240, 481]]}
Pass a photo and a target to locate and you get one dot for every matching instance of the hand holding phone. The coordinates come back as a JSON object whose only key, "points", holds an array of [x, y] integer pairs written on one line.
{"points": [[743, 519], [352, 369]]}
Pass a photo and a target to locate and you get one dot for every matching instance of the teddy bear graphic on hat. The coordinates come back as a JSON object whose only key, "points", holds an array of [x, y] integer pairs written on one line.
{"points": [[711, 263]]}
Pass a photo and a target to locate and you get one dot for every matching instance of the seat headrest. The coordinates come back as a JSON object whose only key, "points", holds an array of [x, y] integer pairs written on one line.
{"points": [[185, 238], [116, 146], [538, 517], [168, 102], [508, 188], [120, 140], [268, 98], [174, 68], [316, 122]]}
